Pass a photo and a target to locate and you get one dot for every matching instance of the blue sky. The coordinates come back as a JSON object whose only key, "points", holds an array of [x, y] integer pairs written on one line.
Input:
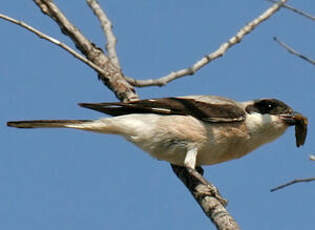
{"points": [[68, 179]]}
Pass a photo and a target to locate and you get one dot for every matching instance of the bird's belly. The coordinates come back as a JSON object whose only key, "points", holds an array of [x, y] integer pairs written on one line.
{"points": [[221, 153], [227, 142], [173, 152], [207, 155], [218, 143], [214, 152]]}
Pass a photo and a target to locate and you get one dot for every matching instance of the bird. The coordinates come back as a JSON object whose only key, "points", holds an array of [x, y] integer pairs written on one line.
{"points": [[190, 131]]}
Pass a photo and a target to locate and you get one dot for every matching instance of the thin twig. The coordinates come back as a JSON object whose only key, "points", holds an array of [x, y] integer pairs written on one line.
{"points": [[293, 182], [294, 52], [54, 41], [300, 12], [107, 28], [112, 77], [212, 56]]}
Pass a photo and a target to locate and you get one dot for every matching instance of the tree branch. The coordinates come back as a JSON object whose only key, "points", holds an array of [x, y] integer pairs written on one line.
{"points": [[294, 52], [210, 204], [293, 182], [300, 12], [54, 41], [212, 56], [96, 59], [85, 46], [107, 28], [112, 77]]}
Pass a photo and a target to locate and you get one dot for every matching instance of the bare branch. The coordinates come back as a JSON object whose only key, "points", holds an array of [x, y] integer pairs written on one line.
{"points": [[54, 41], [312, 157], [293, 182], [112, 77], [212, 56], [107, 28], [294, 52], [300, 12], [210, 204]]}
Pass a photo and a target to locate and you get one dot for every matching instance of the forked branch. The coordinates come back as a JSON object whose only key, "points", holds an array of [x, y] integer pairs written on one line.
{"points": [[112, 77], [109, 71], [209, 204], [295, 10], [108, 32]]}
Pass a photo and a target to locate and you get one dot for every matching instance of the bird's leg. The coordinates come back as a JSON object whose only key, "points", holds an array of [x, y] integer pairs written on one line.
{"points": [[190, 164], [191, 158]]}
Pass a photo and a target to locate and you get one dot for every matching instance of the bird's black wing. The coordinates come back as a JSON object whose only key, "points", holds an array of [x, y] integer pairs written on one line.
{"points": [[202, 110]]}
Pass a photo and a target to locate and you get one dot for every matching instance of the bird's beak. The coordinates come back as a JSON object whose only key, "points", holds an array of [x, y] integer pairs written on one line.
{"points": [[289, 118], [300, 122]]}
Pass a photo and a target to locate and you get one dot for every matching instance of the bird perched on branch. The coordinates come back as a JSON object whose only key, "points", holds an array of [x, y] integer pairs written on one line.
{"points": [[191, 130]]}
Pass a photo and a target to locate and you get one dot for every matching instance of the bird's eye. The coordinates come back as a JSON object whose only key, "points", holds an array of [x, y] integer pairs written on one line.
{"points": [[267, 107]]}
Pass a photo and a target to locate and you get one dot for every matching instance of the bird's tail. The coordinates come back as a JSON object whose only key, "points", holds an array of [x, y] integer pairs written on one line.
{"points": [[46, 123], [105, 125]]}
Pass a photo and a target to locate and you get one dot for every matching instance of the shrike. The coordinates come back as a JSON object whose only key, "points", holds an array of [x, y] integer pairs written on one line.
{"points": [[191, 130]]}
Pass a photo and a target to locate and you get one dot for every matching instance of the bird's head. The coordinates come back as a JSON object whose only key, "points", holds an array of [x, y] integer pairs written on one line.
{"points": [[271, 117]]}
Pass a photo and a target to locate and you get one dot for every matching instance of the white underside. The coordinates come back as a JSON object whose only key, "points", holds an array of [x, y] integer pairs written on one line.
{"points": [[169, 138]]}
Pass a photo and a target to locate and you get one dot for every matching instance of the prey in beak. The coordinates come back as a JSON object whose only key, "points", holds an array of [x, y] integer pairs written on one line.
{"points": [[274, 107], [300, 122]]}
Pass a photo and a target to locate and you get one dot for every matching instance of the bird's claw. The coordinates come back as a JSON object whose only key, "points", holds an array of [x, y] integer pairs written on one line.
{"points": [[213, 192]]}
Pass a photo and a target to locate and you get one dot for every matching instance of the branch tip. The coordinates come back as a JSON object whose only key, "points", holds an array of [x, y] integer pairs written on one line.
{"points": [[294, 52], [293, 182]]}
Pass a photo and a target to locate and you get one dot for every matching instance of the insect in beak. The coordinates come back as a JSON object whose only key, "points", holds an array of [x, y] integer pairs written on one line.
{"points": [[300, 122]]}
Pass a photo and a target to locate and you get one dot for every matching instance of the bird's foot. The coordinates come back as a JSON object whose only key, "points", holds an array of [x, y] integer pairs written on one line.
{"points": [[210, 190], [207, 188]]}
